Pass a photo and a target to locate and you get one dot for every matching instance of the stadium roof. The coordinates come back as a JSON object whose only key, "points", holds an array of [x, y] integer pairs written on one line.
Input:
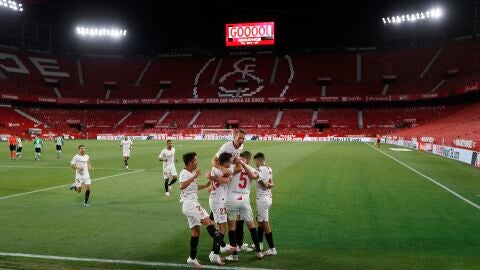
{"points": [[177, 24]]}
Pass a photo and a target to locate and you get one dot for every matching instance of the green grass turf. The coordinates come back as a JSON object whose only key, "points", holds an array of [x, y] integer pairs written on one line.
{"points": [[335, 206]]}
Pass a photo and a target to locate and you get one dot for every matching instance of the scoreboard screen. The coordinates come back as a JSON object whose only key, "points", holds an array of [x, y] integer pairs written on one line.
{"points": [[250, 34]]}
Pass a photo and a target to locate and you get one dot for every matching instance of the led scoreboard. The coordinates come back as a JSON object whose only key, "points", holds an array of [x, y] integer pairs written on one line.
{"points": [[250, 34]]}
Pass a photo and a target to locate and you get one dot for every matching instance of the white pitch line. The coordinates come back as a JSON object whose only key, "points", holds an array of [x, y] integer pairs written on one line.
{"points": [[430, 179], [66, 185], [58, 167], [131, 262]]}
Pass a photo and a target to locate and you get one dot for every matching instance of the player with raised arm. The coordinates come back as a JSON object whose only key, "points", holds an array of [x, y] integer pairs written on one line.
{"points": [[264, 202], [238, 203], [38, 144], [195, 213], [126, 147], [59, 145], [167, 156], [234, 148], [19, 147], [218, 196], [82, 166]]}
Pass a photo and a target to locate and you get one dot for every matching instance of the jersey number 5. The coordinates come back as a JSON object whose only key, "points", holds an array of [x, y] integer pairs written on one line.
{"points": [[243, 180]]}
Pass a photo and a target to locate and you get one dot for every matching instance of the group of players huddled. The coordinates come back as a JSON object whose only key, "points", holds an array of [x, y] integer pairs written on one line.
{"points": [[229, 187]]}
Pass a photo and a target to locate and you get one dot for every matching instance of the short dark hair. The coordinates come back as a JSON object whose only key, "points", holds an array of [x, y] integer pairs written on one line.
{"points": [[245, 154], [80, 146], [224, 157], [259, 155], [169, 141], [188, 157], [240, 131]]}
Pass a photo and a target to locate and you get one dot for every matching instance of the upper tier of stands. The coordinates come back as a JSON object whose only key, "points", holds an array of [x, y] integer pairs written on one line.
{"points": [[411, 70]]}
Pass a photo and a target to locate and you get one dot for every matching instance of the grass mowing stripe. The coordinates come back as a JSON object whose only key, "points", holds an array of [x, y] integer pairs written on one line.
{"points": [[64, 167], [429, 178], [66, 185], [146, 263]]}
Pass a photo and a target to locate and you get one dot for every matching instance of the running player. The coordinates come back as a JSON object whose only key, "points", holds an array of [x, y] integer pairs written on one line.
{"points": [[264, 202], [167, 155], [59, 145], [379, 139], [82, 166], [234, 148], [12, 141], [195, 213], [38, 144], [126, 147], [238, 203], [19, 147]]}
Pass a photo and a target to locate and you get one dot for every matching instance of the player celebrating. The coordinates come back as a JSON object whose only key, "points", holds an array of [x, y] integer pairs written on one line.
{"points": [[82, 166], [218, 197], [264, 202], [19, 147], [59, 145], [167, 155], [12, 146], [195, 213], [126, 147], [234, 148], [238, 203], [38, 144]]}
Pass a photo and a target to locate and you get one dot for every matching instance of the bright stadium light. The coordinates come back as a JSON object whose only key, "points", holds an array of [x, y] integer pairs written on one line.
{"points": [[13, 5], [101, 32], [434, 13]]}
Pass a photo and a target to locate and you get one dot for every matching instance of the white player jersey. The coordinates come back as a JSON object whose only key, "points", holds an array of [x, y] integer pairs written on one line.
{"points": [[189, 193], [81, 162], [229, 148], [265, 175], [19, 142], [126, 145], [219, 192], [170, 156], [239, 187]]}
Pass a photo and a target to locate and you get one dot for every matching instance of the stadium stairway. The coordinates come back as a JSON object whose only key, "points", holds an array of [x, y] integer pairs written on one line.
{"points": [[28, 116]]}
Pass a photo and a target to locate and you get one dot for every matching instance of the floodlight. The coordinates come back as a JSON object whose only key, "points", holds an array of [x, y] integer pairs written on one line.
{"points": [[100, 32], [433, 13], [12, 5]]}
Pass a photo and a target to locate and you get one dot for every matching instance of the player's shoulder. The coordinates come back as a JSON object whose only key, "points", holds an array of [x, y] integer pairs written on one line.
{"points": [[216, 171], [264, 169], [227, 144], [184, 174]]}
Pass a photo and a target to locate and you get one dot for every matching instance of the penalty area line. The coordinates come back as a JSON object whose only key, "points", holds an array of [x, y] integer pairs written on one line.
{"points": [[111, 261], [67, 185], [429, 178]]}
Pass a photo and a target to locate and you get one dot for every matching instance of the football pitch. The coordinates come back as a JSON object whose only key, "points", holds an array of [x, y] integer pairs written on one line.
{"points": [[335, 206]]}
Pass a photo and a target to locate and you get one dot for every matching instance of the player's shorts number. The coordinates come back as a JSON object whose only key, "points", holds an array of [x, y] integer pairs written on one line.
{"points": [[223, 211]]}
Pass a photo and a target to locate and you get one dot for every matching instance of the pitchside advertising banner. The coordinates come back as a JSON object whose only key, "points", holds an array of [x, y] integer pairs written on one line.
{"points": [[246, 100], [476, 159], [459, 154], [250, 34], [249, 137]]}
